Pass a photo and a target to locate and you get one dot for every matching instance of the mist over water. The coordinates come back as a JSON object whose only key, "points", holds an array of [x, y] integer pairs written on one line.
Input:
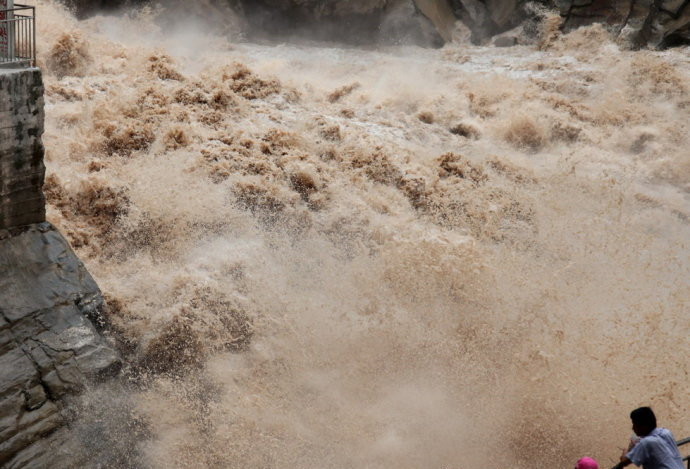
{"points": [[329, 257]]}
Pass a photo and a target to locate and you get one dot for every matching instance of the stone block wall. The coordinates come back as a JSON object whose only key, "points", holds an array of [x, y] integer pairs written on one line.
{"points": [[21, 149]]}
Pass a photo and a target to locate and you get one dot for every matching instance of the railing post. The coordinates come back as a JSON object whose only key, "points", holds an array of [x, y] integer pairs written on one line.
{"points": [[682, 442], [33, 43], [7, 41]]}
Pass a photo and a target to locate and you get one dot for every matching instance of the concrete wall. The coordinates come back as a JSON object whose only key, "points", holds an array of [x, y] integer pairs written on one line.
{"points": [[21, 150]]}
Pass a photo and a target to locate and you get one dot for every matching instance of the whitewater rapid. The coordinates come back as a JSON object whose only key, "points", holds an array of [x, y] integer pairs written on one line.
{"points": [[319, 256]]}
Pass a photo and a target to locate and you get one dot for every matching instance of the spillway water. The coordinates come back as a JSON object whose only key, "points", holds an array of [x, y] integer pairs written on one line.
{"points": [[319, 256]]}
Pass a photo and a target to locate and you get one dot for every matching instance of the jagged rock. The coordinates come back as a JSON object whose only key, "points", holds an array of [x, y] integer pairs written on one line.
{"points": [[508, 39], [639, 23], [48, 345], [654, 23]]}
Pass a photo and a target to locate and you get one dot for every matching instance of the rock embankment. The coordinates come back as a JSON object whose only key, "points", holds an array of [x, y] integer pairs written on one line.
{"points": [[640, 23], [49, 345]]}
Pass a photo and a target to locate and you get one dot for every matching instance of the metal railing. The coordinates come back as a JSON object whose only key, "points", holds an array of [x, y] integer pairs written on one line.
{"points": [[18, 36], [681, 443]]}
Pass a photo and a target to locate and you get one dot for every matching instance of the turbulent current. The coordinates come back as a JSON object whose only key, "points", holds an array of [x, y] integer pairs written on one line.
{"points": [[319, 256]]}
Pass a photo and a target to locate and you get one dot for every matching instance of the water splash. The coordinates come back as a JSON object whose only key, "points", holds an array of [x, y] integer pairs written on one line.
{"points": [[303, 276]]}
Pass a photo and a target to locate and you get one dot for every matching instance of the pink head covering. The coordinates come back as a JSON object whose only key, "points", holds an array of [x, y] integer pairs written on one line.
{"points": [[587, 463]]}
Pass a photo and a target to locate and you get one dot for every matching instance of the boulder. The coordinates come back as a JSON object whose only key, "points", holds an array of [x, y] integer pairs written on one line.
{"points": [[49, 344]]}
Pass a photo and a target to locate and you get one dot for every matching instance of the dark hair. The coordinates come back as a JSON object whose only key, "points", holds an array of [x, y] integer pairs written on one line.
{"points": [[644, 416]]}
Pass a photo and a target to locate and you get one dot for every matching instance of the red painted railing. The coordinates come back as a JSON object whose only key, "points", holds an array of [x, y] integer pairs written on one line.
{"points": [[18, 36]]}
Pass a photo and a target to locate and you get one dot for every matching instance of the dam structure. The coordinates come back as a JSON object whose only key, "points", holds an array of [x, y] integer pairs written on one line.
{"points": [[49, 346]]}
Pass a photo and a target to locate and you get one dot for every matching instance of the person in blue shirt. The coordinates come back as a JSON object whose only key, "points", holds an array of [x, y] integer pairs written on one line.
{"points": [[656, 448]]}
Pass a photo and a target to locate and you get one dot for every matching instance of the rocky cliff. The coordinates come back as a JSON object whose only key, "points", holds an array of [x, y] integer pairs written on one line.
{"points": [[653, 23], [640, 23], [49, 304]]}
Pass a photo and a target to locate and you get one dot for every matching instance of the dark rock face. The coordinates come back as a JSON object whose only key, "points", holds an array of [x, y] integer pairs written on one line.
{"points": [[83, 8], [48, 346], [21, 150], [361, 22], [486, 18], [638, 23], [654, 23]]}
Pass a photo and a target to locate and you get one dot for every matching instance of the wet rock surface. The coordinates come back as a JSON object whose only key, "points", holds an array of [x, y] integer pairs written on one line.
{"points": [[645, 23], [638, 23], [49, 348], [642, 23]]}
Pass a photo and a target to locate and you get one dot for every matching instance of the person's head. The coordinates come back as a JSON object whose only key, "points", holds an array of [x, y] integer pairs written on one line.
{"points": [[586, 463], [643, 421]]}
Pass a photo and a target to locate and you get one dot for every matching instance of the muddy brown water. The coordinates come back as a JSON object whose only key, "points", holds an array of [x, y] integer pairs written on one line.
{"points": [[329, 257]]}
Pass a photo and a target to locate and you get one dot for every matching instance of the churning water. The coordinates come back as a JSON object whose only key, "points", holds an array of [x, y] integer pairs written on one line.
{"points": [[328, 257]]}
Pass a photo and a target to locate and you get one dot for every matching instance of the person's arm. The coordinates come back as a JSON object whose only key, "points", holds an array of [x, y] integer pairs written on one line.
{"points": [[637, 455], [624, 462], [633, 441]]}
